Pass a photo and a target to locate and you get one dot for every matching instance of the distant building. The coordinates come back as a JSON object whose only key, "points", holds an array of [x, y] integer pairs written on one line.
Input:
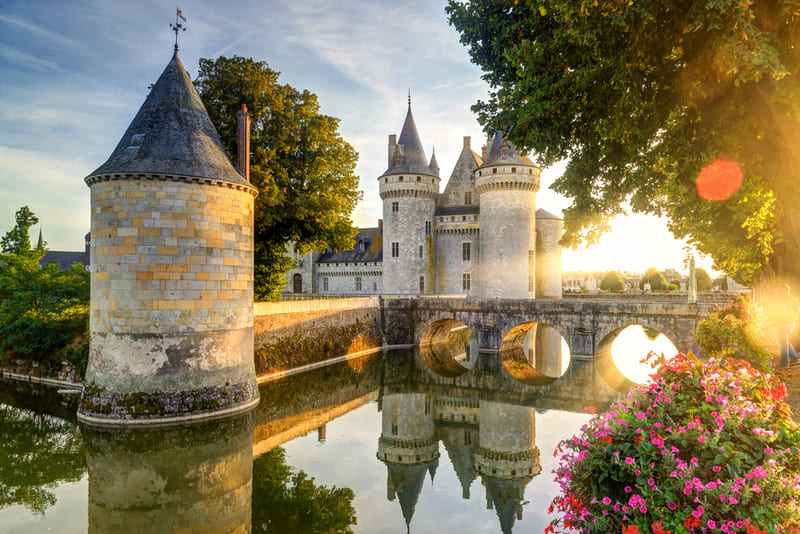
{"points": [[65, 258]]}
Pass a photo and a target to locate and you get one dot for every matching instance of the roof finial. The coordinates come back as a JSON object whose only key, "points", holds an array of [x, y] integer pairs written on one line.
{"points": [[409, 98], [177, 26]]}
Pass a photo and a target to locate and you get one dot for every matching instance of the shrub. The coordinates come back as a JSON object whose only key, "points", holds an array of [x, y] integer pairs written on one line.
{"points": [[612, 281], [703, 279], [655, 278], [734, 332], [704, 447]]}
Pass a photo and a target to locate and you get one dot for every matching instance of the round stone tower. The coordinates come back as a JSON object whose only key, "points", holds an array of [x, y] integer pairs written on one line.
{"points": [[172, 269], [409, 189], [507, 184], [548, 255]]}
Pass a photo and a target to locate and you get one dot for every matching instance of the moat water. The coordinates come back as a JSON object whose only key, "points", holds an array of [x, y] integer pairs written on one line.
{"points": [[382, 443]]}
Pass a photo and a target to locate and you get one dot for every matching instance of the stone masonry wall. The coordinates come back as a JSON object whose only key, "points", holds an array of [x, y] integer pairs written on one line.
{"points": [[172, 291], [293, 333]]}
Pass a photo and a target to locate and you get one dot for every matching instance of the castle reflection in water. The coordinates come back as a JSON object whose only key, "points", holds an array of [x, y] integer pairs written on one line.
{"points": [[216, 476]]}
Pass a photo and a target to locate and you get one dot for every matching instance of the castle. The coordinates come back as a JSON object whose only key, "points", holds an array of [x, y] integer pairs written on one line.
{"points": [[481, 237]]}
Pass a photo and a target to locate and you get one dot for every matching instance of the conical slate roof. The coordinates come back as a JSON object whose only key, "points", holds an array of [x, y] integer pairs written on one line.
{"points": [[172, 134], [433, 164], [413, 160], [496, 154]]}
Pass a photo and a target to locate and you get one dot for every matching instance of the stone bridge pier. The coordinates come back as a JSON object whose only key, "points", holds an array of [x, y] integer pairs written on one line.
{"points": [[588, 325]]}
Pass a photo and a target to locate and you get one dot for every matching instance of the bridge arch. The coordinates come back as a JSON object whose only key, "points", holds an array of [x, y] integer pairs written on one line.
{"points": [[609, 368]]}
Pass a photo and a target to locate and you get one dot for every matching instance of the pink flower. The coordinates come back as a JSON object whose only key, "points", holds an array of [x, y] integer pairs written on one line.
{"points": [[629, 460], [606, 501]]}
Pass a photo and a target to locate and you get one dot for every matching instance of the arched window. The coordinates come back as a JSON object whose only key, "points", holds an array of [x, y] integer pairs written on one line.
{"points": [[297, 280]]}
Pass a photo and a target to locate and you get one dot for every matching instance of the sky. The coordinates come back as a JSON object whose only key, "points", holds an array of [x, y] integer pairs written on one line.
{"points": [[73, 75]]}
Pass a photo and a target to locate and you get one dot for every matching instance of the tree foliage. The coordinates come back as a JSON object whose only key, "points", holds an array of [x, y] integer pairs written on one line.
{"points": [[655, 278], [288, 501], [612, 281], [17, 240], [703, 279], [639, 97], [304, 170], [41, 309]]}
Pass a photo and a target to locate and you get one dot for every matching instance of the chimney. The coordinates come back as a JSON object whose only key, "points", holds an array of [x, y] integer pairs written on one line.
{"points": [[467, 142], [392, 145], [380, 226], [484, 152], [243, 141]]}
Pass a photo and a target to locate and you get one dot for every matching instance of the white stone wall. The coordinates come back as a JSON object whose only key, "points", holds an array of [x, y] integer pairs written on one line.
{"points": [[450, 265], [416, 199], [341, 278], [548, 258], [508, 233]]}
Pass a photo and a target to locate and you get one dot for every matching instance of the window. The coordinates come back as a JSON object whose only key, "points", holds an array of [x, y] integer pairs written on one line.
{"points": [[427, 404], [325, 284], [465, 282], [452, 218], [494, 171], [463, 218], [466, 251], [420, 251], [468, 197], [419, 178], [395, 207], [421, 285], [394, 429], [374, 286], [395, 249], [401, 178], [358, 283], [530, 284], [428, 227], [513, 169]]}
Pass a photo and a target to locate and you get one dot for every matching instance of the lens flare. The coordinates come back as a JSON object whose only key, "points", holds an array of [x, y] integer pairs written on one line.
{"points": [[719, 180]]}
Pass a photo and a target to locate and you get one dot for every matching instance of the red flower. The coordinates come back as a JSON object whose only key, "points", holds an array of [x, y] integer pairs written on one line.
{"points": [[633, 529]]}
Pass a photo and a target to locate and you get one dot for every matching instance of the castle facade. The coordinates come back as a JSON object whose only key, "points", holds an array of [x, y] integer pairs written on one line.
{"points": [[481, 237]]}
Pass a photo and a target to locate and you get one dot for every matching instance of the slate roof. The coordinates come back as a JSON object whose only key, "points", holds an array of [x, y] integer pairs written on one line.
{"points": [[495, 155], [413, 160], [373, 240], [65, 259], [172, 134], [458, 210]]}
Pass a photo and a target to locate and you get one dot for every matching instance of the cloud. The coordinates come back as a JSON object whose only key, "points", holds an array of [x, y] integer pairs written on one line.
{"points": [[26, 60], [38, 31]]}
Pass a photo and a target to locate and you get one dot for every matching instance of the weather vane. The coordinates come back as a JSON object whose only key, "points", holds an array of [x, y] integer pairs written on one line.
{"points": [[177, 27]]}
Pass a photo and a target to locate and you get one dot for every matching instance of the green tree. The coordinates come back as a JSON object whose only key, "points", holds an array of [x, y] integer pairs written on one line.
{"points": [[703, 279], [17, 240], [304, 170], [41, 309], [655, 278], [612, 281], [639, 97], [288, 501]]}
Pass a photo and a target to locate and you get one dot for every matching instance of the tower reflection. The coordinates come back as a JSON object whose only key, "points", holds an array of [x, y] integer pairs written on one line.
{"points": [[194, 478]]}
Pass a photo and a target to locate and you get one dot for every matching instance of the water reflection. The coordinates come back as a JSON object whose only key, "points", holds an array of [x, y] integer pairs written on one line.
{"points": [[38, 452], [630, 346], [449, 347], [474, 434], [495, 441], [535, 353], [196, 478]]}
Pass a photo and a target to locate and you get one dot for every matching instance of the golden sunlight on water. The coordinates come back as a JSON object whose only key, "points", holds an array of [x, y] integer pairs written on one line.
{"points": [[632, 345]]}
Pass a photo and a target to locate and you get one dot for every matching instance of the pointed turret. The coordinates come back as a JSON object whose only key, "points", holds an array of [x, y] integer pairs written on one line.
{"points": [[409, 156], [40, 243], [172, 134], [433, 164]]}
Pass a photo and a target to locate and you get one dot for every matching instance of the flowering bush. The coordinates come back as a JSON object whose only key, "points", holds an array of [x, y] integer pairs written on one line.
{"points": [[734, 332], [704, 447]]}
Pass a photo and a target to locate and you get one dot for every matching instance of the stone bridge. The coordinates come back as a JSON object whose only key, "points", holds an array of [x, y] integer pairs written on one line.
{"points": [[587, 325]]}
